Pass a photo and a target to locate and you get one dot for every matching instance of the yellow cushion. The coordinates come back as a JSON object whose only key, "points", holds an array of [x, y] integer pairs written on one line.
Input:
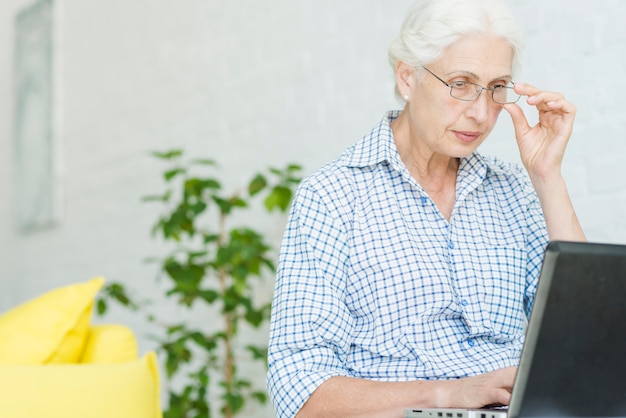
{"points": [[110, 343], [50, 328], [122, 390]]}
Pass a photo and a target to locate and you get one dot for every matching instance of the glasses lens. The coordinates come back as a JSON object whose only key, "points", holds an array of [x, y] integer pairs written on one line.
{"points": [[464, 91], [505, 95]]}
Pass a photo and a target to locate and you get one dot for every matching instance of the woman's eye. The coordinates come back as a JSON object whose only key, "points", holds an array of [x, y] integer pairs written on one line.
{"points": [[459, 84]]}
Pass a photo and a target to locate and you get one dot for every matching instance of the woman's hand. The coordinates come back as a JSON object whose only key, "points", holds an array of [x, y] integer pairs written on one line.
{"points": [[542, 146], [493, 388]]}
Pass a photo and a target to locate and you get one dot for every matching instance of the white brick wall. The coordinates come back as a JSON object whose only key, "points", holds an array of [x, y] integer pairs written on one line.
{"points": [[257, 83]]}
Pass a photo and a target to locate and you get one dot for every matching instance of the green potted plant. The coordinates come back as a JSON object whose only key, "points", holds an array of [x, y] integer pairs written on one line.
{"points": [[214, 264]]}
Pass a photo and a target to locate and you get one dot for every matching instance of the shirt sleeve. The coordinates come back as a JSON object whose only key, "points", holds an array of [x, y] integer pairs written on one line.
{"points": [[310, 330], [536, 242]]}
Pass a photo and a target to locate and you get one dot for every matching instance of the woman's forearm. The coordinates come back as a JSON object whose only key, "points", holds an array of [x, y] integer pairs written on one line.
{"points": [[558, 210], [352, 397]]}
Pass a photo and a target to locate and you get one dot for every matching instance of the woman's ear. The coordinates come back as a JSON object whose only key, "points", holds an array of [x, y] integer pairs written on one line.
{"points": [[405, 79]]}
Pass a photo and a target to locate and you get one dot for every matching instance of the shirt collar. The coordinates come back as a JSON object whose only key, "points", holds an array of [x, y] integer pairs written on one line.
{"points": [[378, 146]]}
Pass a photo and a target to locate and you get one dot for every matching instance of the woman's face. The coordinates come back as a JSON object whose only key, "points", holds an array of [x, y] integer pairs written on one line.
{"points": [[450, 126]]}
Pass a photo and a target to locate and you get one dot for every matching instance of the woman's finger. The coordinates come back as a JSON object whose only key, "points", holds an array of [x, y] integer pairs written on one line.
{"points": [[520, 123], [544, 100]]}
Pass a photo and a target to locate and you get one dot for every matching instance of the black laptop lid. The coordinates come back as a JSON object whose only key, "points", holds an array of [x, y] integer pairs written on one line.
{"points": [[574, 359]]}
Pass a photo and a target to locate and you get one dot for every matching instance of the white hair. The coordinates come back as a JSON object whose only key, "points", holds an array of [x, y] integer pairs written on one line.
{"points": [[432, 25]]}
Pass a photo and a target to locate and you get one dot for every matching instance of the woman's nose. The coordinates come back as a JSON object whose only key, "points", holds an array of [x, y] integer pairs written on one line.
{"points": [[479, 108]]}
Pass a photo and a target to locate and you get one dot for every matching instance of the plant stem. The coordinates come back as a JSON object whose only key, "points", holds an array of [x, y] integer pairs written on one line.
{"points": [[228, 325]]}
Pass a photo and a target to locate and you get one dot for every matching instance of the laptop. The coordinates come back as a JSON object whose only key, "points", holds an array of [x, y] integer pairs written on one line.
{"points": [[573, 363]]}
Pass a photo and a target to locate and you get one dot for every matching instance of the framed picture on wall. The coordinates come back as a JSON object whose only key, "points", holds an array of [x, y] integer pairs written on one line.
{"points": [[35, 163]]}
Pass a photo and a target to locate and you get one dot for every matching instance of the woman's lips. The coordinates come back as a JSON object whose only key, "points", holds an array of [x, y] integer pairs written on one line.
{"points": [[467, 136]]}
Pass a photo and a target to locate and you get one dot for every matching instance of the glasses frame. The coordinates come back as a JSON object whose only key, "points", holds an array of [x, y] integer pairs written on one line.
{"points": [[479, 89]]}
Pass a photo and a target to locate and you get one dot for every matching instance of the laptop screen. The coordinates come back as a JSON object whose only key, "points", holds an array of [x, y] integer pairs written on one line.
{"points": [[574, 358]]}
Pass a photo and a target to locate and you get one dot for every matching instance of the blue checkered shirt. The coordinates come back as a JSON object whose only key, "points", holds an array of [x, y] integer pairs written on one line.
{"points": [[373, 282]]}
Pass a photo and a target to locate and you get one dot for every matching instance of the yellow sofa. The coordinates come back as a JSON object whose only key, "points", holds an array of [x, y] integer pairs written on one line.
{"points": [[55, 364]]}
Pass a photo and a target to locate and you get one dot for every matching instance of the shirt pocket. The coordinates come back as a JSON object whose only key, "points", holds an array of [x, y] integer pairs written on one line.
{"points": [[501, 272]]}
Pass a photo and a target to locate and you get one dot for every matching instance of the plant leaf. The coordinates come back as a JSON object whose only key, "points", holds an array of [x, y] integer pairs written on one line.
{"points": [[168, 155], [280, 197], [257, 184], [203, 161], [101, 307], [170, 174], [158, 198], [261, 397]]}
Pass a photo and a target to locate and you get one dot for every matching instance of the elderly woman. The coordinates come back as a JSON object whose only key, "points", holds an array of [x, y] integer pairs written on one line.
{"points": [[409, 264]]}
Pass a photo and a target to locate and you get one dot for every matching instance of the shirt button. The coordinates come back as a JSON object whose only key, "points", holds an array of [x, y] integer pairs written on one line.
{"points": [[424, 199], [470, 342], [464, 302], [451, 245]]}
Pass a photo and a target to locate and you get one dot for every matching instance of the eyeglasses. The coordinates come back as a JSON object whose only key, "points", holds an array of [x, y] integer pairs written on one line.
{"points": [[468, 92]]}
